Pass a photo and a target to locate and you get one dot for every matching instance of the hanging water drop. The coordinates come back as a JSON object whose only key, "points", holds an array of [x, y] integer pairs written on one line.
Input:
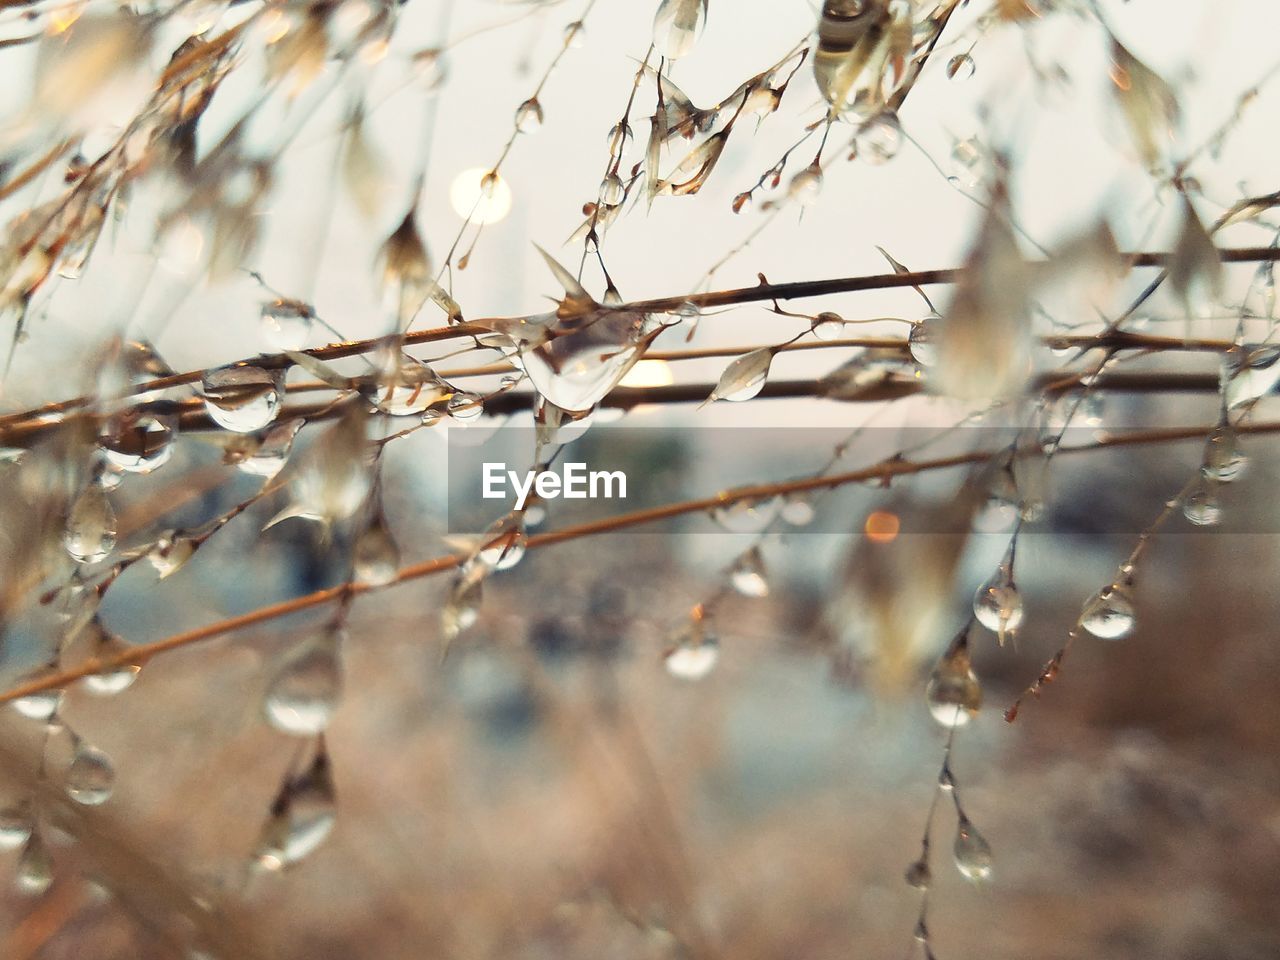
{"points": [[305, 691], [170, 553], [42, 705], [695, 651], [828, 326], [747, 516], [103, 646], [612, 189], [462, 609], [1223, 461], [409, 388], [302, 817], [504, 544], [961, 67], [242, 398], [745, 377], [270, 453], [998, 604], [797, 509], [34, 874], [748, 575], [464, 407], [529, 116], [1201, 506], [967, 162], [137, 442], [376, 558], [90, 534], [16, 825], [286, 324], [677, 26], [1249, 374], [806, 186], [878, 139], [972, 852], [954, 694], [918, 875], [923, 342], [1109, 614], [90, 777]]}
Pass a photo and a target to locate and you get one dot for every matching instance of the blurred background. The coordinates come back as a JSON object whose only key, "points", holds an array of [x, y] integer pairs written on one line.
{"points": [[549, 789]]}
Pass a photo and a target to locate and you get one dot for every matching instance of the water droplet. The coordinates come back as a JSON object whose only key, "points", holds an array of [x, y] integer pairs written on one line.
{"points": [[797, 509], [269, 453], [879, 138], [409, 388], [954, 694], [677, 26], [998, 604], [286, 324], [242, 398], [377, 556], [41, 705], [747, 516], [1202, 507], [923, 341], [503, 544], [748, 575], [465, 407], [695, 652], [1109, 614], [302, 817], [575, 35], [972, 852], [806, 186], [170, 554], [305, 691], [612, 189], [16, 825], [744, 377], [34, 874], [104, 645], [137, 442], [90, 777], [918, 875], [828, 326], [90, 534], [618, 135], [463, 607], [967, 162], [1249, 373], [961, 67], [1224, 461], [529, 116]]}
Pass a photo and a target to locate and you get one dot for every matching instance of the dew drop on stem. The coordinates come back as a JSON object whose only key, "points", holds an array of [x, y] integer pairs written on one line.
{"points": [[242, 398], [972, 852], [304, 693], [748, 574], [34, 873], [953, 693], [90, 534], [529, 116], [90, 777], [1109, 614]]}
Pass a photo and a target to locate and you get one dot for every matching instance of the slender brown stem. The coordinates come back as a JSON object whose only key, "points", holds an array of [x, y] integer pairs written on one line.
{"points": [[888, 469]]}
